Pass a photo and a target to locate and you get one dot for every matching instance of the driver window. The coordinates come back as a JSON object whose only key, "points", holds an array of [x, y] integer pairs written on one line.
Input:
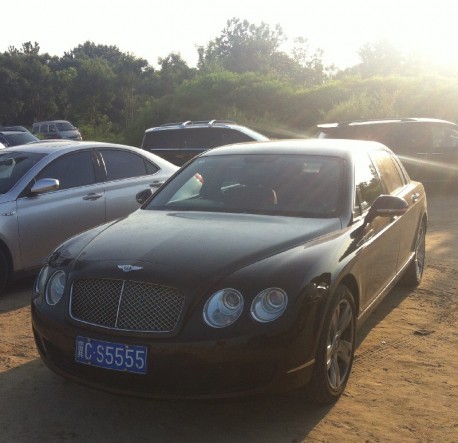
{"points": [[367, 182]]}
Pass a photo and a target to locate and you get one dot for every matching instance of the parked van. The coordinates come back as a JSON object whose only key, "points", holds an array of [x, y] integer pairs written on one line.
{"points": [[56, 129], [427, 147]]}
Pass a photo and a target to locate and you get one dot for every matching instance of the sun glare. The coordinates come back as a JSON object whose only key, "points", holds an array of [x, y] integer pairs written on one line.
{"points": [[427, 30]]}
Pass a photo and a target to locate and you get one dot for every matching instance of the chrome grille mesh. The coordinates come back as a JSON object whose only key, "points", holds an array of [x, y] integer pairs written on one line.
{"points": [[126, 305]]}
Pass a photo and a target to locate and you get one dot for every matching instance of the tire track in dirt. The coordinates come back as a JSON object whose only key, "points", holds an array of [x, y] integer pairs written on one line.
{"points": [[439, 309]]}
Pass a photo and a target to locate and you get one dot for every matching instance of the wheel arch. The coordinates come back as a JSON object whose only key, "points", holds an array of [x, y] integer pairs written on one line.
{"points": [[423, 220], [4, 250], [351, 283]]}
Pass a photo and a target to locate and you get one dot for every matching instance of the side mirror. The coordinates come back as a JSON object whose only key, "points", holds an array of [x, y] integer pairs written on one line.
{"points": [[45, 185], [386, 206], [144, 195]]}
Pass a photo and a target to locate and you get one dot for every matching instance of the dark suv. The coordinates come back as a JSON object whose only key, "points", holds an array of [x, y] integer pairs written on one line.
{"points": [[427, 147], [179, 142]]}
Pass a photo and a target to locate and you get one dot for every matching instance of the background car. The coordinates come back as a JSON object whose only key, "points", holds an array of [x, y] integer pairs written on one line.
{"points": [[179, 142], [51, 191], [427, 147], [56, 129], [15, 138], [253, 280], [14, 128]]}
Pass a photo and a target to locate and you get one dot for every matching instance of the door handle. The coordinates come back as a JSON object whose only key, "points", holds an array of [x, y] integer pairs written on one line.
{"points": [[92, 196], [156, 184], [415, 196]]}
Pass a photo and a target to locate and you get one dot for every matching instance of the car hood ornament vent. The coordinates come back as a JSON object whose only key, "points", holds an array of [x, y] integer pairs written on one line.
{"points": [[128, 268]]}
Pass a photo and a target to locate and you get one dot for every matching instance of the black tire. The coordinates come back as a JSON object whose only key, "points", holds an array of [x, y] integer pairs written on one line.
{"points": [[414, 271], [336, 349], [4, 271]]}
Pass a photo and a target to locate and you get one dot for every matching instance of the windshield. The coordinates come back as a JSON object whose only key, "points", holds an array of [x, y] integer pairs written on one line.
{"points": [[65, 126], [13, 166], [291, 185]]}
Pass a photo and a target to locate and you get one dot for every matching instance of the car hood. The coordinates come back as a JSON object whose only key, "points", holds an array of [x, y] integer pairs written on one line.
{"points": [[201, 244], [70, 133]]}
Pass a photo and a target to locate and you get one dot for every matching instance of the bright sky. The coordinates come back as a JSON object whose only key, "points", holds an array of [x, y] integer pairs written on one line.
{"points": [[152, 29]]}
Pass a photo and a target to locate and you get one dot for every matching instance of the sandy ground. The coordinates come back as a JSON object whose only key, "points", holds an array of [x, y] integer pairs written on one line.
{"points": [[404, 384]]}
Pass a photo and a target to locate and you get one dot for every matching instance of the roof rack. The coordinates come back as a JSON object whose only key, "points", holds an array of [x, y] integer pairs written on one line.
{"points": [[199, 122], [368, 120]]}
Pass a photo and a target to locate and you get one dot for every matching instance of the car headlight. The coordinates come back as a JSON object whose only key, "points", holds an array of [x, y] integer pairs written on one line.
{"points": [[40, 284], [55, 287], [223, 308], [269, 304]]}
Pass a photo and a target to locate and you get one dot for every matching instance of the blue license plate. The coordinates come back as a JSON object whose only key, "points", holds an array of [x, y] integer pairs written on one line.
{"points": [[108, 355]]}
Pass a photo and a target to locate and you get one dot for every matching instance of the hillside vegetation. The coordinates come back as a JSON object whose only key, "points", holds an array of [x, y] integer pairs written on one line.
{"points": [[242, 75]]}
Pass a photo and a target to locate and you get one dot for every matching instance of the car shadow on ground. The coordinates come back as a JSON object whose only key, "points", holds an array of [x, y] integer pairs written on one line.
{"points": [[39, 405], [391, 301]]}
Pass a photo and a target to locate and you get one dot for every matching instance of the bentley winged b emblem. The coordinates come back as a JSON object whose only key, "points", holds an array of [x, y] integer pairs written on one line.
{"points": [[128, 268]]}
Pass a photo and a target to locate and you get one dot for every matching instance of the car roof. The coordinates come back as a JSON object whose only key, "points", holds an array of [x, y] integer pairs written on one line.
{"points": [[7, 132], [229, 124], [14, 128], [383, 121], [50, 146], [338, 148], [51, 121]]}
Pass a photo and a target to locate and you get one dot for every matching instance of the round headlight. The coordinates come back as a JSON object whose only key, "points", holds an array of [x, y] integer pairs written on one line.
{"points": [[55, 287], [269, 304], [223, 308], [41, 279], [40, 284]]}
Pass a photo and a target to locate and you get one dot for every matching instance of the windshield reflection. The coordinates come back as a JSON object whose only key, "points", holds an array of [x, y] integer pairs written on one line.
{"points": [[292, 185]]}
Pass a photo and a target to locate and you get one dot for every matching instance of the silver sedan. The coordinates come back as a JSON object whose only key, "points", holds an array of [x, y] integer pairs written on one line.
{"points": [[50, 191]]}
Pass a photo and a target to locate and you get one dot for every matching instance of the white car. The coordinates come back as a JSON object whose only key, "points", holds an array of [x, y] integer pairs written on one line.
{"points": [[50, 191]]}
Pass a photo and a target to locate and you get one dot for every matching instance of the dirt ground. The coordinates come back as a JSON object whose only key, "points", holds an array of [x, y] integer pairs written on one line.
{"points": [[404, 384]]}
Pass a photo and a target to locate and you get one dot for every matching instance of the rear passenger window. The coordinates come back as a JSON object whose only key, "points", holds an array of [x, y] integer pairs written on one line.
{"points": [[164, 139], [388, 171], [230, 136], [411, 139], [123, 164], [445, 138]]}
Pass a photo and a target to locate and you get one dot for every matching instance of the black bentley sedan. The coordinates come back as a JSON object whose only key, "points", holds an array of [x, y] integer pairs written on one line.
{"points": [[249, 270]]}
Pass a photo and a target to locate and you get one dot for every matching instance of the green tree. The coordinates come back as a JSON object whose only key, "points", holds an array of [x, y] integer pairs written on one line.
{"points": [[27, 84], [124, 75], [242, 47], [92, 92], [174, 71]]}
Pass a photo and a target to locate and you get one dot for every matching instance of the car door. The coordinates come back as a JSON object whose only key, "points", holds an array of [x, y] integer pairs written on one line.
{"points": [[395, 183], [127, 173], [378, 240], [47, 219]]}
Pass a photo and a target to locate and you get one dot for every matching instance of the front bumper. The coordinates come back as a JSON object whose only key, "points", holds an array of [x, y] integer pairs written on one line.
{"points": [[179, 369]]}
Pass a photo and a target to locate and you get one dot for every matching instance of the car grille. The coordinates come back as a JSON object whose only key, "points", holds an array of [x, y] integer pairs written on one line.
{"points": [[126, 305]]}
